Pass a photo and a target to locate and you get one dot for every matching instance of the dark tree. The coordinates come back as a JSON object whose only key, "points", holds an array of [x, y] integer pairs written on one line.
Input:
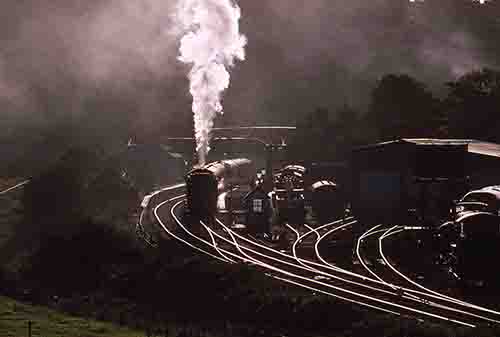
{"points": [[53, 198], [347, 128], [473, 105], [82, 184], [401, 106], [313, 140]]}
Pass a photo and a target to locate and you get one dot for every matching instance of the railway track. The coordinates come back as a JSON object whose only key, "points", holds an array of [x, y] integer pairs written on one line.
{"points": [[429, 297], [307, 267]]}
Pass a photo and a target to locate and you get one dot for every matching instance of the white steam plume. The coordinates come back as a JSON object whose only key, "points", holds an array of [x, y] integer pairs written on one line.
{"points": [[211, 44]]}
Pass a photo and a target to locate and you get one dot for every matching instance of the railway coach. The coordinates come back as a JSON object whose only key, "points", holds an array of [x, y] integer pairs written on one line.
{"points": [[205, 183]]}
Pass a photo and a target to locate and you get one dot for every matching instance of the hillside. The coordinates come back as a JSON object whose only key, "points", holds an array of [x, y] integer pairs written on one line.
{"points": [[14, 318]]}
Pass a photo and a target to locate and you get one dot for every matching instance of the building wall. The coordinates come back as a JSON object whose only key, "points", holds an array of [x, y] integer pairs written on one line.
{"points": [[483, 170], [389, 178], [377, 177]]}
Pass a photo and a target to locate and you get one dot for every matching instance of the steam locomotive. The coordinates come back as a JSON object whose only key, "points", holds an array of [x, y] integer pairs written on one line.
{"points": [[205, 183], [472, 237], [293, 191], [288, 194], [290, 177]]}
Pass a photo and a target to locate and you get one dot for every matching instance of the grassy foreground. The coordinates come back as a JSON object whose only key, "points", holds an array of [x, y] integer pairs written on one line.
{"points": [[14, 318]]}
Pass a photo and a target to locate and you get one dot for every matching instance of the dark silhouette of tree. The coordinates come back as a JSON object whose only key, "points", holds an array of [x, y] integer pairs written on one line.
{"points": [[313, 140], [401, 106], [473, 105], [326, 136], [82, 184], [54, 197], [346, 129]]}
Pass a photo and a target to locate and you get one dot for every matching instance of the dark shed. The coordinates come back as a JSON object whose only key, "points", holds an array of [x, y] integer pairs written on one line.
{"points": [[483, 164], [389, 178]]}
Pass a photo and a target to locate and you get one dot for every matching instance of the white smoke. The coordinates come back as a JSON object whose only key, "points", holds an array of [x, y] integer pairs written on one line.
{"points": [[211, 44]]}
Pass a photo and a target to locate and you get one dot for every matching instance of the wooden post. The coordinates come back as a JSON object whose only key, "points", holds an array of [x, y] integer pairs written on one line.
{"points": [[29, 328]]}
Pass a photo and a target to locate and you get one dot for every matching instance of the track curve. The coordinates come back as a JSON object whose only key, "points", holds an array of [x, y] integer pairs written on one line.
{"points": [[318, 274]]}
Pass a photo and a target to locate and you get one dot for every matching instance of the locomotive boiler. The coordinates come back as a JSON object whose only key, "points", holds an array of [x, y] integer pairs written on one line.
{"points": [[472, 237], [205, 183], [289, 194], [290, 177]]}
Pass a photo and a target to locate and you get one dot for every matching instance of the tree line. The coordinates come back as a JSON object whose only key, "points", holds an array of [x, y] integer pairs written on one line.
{"points": [[403, 107]]}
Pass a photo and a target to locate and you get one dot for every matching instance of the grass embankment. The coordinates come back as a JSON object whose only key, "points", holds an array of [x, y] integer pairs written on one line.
{"points": [[14, 318], [96, 268]]}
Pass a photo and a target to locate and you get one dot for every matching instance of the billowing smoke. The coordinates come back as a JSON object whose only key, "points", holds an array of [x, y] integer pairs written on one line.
{"points": [[108, 69], [211, 44]]}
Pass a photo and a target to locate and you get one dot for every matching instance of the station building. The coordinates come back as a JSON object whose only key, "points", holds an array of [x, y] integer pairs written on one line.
{"points": [[390, 180]]}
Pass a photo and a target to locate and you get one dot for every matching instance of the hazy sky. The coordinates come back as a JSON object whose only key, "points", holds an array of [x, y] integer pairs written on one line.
{"points": [[109, 66]]}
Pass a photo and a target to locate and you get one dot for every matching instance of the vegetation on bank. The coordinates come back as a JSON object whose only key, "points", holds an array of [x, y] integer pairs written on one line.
{"points": [[83, 266], [75, 251], [104, 274], [15, 318]]}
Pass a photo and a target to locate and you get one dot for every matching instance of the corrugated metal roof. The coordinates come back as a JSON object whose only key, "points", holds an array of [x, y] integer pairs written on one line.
{"points": [[473, 145], [417, 141], [436, 141], [375, 145], [484, 148]]}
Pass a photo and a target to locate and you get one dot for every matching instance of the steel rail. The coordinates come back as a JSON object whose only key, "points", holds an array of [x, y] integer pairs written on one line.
{"points": [[374, 299], [155, 212], [263, 264], [407, 296], [339, 269], [394, 230], [258, 262], [358, 254], [439, 296], [451, 299], [306, 264], [300, 267], [318, 254], [212, 245], [301, 237], [363, 277], [316, 249], [140, 230], [215, 244], [432, 294], [147, 198], [336, 268], [338, 296], [364, 236], [167, 188], [356, 275]]}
